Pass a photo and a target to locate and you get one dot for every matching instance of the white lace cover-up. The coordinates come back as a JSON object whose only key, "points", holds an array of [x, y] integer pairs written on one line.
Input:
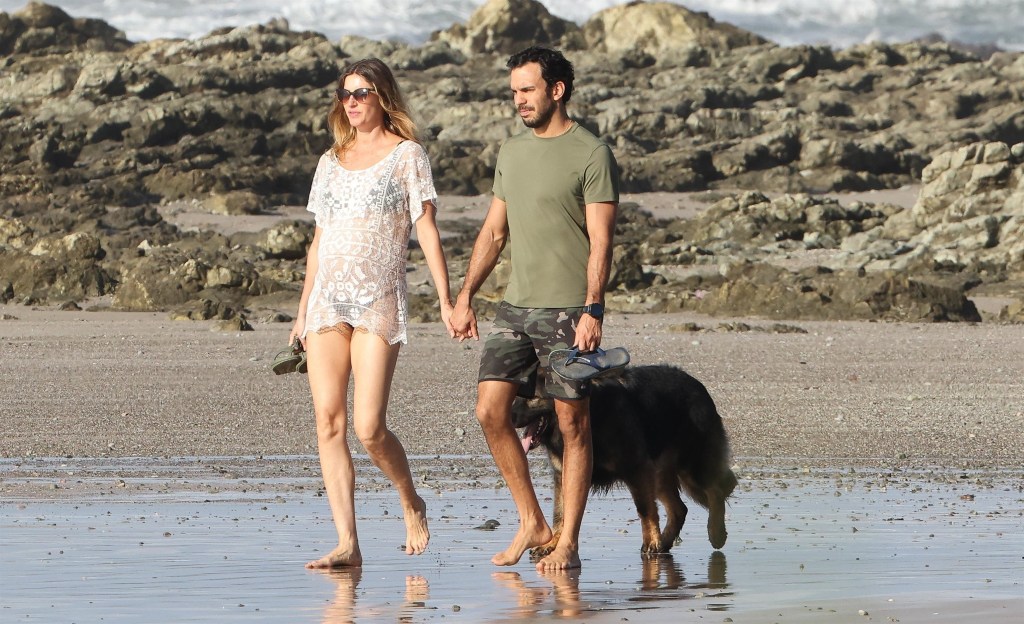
{"points": [[365, 217]]}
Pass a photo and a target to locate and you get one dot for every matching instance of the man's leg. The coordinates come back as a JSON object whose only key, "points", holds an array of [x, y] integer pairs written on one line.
{"points": [[493, 410], [577, 469]]}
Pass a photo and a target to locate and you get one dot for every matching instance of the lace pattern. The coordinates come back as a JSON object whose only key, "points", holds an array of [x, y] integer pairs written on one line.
{"points": [[365, 217]]}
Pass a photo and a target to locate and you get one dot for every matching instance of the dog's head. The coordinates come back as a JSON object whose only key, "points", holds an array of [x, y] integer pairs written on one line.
{"points": [[534, 417]]}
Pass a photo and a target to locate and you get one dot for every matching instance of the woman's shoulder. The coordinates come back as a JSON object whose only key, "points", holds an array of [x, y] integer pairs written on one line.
{"points": [[412, 154], [411, 147], [329, 157]]}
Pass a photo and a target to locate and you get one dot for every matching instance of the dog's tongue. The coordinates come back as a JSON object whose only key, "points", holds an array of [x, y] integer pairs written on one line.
{"points": [[528, 437]]}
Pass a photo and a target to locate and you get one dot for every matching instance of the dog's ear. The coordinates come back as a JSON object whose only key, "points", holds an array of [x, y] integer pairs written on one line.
{"points": [[520, 412], [525, 411]]}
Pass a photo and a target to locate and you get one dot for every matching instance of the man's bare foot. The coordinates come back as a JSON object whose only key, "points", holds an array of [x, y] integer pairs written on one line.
{"points": [[417, 590], [340, 557], [524, 540], [559, 559], [417, 535]]}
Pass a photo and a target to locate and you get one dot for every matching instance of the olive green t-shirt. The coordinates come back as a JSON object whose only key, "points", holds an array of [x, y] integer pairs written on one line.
{"points": [[546, 184]]}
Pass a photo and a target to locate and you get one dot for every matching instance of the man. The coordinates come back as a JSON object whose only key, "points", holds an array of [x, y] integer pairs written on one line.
{"points": [[555, 197]]}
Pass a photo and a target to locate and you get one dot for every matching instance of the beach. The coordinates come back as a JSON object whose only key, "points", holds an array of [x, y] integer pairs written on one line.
{"points": [[140, 453], [147, 461], [832, 244]]}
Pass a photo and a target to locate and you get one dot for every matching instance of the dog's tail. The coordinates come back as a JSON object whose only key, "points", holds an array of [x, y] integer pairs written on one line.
{"points": [[717, 486], [712, 496], [727, 483]]}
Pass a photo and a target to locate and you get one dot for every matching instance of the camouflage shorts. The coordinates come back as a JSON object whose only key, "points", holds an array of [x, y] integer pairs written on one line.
{"points": [[517, 350]]}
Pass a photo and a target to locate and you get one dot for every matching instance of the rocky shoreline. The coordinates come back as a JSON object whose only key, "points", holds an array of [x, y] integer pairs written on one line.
{"points": [[102, 134]]}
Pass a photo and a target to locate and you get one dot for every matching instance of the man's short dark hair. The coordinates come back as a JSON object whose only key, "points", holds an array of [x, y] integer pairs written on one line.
{"points": [[553, 66]]}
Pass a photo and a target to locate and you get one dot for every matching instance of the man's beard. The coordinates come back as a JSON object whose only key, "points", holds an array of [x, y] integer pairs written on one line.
{"points": [[543, 117]]}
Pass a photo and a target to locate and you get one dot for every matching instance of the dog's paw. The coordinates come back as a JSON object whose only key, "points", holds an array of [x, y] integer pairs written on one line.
{"points": [[716, 531], [668, 541], [717, 538], [539, 552], [654, 548]]}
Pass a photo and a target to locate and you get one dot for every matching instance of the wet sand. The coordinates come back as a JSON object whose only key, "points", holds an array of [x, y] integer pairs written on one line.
{"points": [[156, 467], [818, 547]]}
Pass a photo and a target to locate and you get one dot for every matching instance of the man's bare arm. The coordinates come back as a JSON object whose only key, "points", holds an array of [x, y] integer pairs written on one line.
{"points": [[601, 230], [486, 251]]}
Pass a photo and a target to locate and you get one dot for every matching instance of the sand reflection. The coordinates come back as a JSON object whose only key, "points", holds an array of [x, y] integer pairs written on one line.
{"points": [[662, 572], [558, 593], [561, 594], [417, 593], [343, 609]]}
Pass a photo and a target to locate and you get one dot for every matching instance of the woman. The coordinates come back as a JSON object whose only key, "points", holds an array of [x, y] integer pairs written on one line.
{"points": [[368, 190]]}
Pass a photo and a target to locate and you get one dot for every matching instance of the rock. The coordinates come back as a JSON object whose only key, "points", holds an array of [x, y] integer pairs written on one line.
{"points": [[161, 279], [204, 310], [1013, 313], [41, 26], [236, 203], [60, 276], [768, 291], [237, 323], [99, 132], [657, 28], [507, 26]]}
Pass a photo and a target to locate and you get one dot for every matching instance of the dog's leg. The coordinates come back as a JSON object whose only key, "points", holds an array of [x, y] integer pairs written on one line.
{"points": [[675, 508], [647, 509], [557, 514], [716, 508], [538, 552]]}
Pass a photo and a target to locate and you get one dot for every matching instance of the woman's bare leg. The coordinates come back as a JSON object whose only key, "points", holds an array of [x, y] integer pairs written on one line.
{"points": [[373, 367], [330, 365]]}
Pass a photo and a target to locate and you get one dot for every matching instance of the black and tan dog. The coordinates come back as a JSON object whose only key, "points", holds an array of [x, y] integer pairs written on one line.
{"points": [[656, 430]]}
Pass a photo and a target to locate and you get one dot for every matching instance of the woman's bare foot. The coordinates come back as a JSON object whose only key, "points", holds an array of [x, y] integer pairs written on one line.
{"points": [[340, 557], [417, 535], [525, 539], [560, 559]]}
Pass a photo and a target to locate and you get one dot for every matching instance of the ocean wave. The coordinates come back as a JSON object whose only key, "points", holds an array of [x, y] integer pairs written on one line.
{"points": [[839, 23]]}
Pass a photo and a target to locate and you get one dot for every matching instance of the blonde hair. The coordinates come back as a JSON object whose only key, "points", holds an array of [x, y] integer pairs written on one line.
{"points": [[396, 114]]}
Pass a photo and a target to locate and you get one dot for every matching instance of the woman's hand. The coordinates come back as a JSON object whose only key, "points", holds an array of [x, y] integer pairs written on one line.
{"points": [[447, 309], [298, 329]]}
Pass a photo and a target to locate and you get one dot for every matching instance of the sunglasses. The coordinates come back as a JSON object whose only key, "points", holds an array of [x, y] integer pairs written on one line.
{"points": [[359, 94]]}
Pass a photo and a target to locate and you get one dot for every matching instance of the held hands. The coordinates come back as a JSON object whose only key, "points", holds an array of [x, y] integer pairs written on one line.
{"points": [[463, 321]]}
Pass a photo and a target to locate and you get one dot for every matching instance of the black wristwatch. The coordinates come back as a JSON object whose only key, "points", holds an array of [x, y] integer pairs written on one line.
{"points": [[595, 310]]}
